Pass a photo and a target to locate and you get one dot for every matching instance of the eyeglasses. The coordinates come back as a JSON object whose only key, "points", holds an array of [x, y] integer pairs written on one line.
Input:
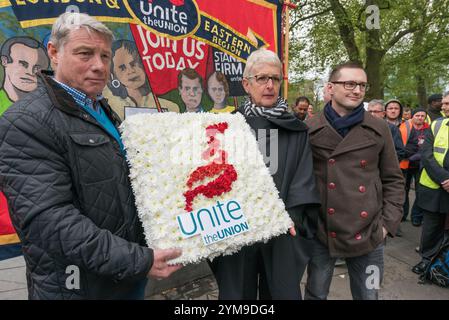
{"points": [[351, 85], [375, 111], [263, 79]]}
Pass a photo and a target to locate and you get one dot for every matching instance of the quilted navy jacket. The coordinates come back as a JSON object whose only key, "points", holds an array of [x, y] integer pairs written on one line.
{"points": [[70, 198]]}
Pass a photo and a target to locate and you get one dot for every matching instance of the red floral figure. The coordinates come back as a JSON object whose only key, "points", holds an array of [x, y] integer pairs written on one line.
{"points": [[218, 165], [214, 143], [217, 187]]}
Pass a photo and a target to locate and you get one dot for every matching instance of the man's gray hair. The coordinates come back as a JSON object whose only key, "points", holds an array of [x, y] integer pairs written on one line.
{"points": [[376, 102], [445, 94], [70, 21], [261, 56]]}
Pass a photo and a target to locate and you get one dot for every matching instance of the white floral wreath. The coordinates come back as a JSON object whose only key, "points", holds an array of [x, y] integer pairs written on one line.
{"points": [[182, 163]]}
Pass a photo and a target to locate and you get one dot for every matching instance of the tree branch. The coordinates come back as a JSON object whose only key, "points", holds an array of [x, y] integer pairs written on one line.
{"points": [[361, 26], [296, 22], [399, 36], [346, 29]]}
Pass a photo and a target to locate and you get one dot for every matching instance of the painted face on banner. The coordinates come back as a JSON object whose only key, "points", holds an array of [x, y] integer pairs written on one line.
{"points": [[26, 61], [191, 93], [216, 90], [128, 69]]}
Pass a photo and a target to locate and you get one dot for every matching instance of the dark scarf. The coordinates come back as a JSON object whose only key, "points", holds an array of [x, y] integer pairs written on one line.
{"points": [[343, 124], [251, 110]]}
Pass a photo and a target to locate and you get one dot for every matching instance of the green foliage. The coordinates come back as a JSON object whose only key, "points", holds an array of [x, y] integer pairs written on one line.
{"points": [[306, 88], [412, 43]]}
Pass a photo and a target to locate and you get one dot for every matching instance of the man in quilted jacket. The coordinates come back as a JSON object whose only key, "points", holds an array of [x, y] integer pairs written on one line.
{"points": [[64, 173]]}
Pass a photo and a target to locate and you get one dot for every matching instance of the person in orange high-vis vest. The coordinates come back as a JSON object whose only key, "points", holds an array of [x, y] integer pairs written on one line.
{"points": [[412, 132], [405, 128]]}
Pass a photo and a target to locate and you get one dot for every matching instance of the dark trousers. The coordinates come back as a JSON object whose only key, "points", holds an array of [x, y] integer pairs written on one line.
{"points": [[271, 270], [8, 251], [135, 292], [365, 274], [432, 234], [409, 175]]}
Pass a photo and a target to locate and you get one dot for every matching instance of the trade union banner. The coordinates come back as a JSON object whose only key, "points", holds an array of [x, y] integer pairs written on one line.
{"points": [[168, 55], [163, 38]]}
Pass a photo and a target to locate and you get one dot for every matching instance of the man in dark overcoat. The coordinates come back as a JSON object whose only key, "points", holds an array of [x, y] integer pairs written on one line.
{"points": [[361, 187]]}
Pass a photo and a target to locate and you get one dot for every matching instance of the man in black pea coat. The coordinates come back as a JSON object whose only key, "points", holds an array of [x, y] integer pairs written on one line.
{"points": [[65, 175]]}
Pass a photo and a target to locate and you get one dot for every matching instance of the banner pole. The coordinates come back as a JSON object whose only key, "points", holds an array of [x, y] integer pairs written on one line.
{"points": [[287, 6], [156, 99], [285, 47], [158, 104]]}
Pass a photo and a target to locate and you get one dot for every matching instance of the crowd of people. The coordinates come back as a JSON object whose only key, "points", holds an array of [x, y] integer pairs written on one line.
{"points": [[420, 147], [343, 174]]}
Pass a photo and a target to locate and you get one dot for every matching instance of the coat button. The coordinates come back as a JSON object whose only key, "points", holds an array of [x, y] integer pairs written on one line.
{"points": [[331, 211], [358, 236], [364, 214], [363, 163], [362, 189], [332, 186], [333, 235], [331, 161]]}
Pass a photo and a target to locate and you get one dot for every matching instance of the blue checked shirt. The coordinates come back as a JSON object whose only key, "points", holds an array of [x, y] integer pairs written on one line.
{"points": [[94, 108]]}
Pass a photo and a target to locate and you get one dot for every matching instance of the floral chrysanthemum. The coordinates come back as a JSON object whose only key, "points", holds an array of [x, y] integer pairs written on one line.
{"points": [[167, 158]]}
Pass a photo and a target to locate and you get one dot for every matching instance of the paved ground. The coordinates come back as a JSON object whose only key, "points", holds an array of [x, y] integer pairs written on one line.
{"points": [[399, 282]]}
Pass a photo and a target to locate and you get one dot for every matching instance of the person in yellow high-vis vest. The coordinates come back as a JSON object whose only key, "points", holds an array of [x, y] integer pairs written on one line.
{"points": [[433, 189]]}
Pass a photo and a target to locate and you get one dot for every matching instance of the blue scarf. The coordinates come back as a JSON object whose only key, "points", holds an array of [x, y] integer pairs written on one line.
{"points": [[343, 124]]}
